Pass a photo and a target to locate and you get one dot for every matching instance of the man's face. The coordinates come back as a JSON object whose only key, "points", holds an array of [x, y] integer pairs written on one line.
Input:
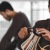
{"points": [[49, 9], [5, 15]]}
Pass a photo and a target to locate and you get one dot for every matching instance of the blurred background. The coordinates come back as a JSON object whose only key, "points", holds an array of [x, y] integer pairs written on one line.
{"points": [[34, 9]]}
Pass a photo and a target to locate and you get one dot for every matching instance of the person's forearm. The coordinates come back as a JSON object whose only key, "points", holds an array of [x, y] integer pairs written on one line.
{"points": [[14, 44]]}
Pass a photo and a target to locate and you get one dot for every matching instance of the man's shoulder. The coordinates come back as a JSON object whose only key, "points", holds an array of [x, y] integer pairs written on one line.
{"points": [[41, 21], [19, 16], [20, 13]]}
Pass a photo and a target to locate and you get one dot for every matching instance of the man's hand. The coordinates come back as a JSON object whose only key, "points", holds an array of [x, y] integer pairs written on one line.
{"points": [[45, 33], [23, 33]]}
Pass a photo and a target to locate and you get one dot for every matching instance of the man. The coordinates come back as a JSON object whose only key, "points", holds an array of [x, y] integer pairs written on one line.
{"points": [[45, 33], [19, 20]]}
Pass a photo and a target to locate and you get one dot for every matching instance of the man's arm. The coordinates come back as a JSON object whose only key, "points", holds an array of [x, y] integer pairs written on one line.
{"points": [[41, 28], [23, 33], [39, 24]]}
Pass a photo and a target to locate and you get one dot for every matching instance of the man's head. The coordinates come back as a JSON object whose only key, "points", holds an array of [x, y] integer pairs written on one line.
{"points": [[6, 10], [49, 5]]}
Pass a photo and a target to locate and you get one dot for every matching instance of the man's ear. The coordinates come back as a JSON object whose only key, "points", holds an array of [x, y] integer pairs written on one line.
{"points": [[49, 8], [7, 10]]}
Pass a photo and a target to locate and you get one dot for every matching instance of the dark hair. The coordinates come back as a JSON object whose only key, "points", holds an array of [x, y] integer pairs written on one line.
{"points": [[5, 5], [49, 3]]}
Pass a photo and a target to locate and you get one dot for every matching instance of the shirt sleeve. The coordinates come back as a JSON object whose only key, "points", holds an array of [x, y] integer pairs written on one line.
{"points": [[38, 24]]}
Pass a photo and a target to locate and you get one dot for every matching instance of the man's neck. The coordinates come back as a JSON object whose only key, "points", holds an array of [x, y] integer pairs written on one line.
{"points": [[13, 14]]}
